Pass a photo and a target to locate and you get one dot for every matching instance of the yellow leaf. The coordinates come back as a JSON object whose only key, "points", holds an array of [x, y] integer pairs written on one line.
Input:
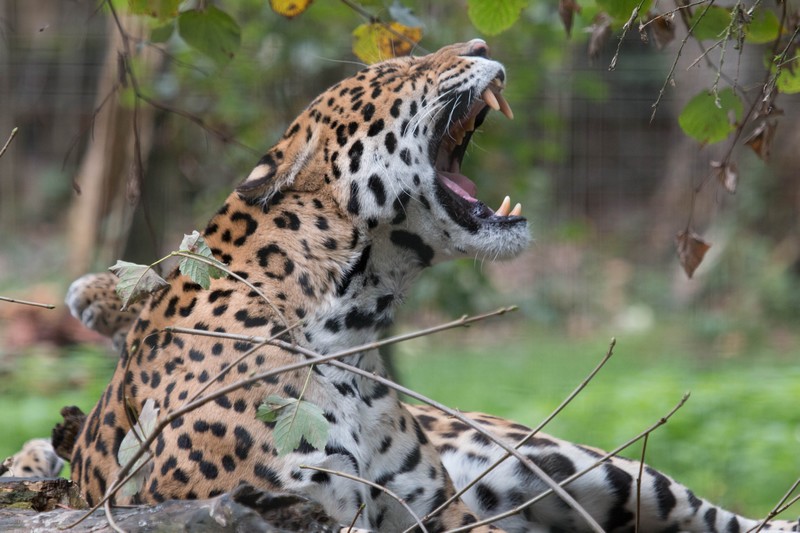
{"points": [[289, 8], [376, 42]]}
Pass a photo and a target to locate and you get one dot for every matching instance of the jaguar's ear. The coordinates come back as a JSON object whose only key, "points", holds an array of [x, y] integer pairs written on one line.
{"points": [[278, 168]]}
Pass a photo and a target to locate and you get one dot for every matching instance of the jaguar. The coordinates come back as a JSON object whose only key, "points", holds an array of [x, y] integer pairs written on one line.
{"points": [[321, 241]]}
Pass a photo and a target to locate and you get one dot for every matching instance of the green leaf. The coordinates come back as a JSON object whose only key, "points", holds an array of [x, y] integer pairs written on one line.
{"points": [[764, 27], [210, 31], [494, 16], [160, 9], [140, 432], [706, 122], [621, 10], [712, 25], [294, 420], [135, 281], [162, 33], [789, 79], [199, 271]]}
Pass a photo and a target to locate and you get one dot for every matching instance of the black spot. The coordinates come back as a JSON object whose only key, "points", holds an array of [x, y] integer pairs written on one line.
{"points": [[264, 472], [194, 355], [180, 476], [228, 463], [620, 483], [355, 152], [375, 185], [251, 226], [405, 155], [250, 321], [413, 242], [209, 470], [486, 497], [244, 442], [395, 109], [353, 205], [305, 284], [368, 111], [375, 128], [322, 223], [184, 441], [390, 141], [732, 525], [666, 500], [355, 319]]}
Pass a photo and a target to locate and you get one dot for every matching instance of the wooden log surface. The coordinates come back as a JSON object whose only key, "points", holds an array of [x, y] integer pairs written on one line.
{"points": [[48, 505]]}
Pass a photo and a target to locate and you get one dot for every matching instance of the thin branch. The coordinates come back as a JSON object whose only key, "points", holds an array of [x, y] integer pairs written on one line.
{"points": [[625, 28], [639, 485], [8, 142], [677, 57], [779, 507], [530, 434], [110, 518], [381, 488], [663, 420], [26, 302], [670, 12]]}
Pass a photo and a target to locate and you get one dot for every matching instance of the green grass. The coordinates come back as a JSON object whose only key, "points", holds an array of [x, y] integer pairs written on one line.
{"points": [[735, 442], [36, 384]]}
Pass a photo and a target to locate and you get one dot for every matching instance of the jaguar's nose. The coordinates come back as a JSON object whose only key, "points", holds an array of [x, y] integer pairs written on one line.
{"points": [[478, 47]]}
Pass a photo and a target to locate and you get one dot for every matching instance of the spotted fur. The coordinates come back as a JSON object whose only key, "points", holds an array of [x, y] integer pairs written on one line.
{"points": [[37, 458], [333, 224]]}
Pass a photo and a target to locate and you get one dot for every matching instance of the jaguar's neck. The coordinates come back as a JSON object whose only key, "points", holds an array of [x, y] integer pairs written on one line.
{"points": [[338, 281]]}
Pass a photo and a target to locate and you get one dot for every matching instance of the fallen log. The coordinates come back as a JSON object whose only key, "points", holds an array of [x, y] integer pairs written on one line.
{"points": [[48, 505]]}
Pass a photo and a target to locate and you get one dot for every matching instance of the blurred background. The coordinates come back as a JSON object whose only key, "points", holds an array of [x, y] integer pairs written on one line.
{"points": [[605, 189]]}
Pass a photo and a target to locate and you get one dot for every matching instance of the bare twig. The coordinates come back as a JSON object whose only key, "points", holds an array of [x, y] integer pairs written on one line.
{"points": [[8, 142], [25, 302], [677, 57], [625, 28], [663, 420], [639, 485], [779, 507], [381, 488]]}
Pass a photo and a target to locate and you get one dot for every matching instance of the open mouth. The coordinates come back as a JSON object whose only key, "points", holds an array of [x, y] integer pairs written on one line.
{"points": [[456, 132]]}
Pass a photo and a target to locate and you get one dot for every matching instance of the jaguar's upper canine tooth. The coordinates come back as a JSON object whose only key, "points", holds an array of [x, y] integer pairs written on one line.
{"points": [[491, 99], [504, 207], [517, 211], [504, 107]]}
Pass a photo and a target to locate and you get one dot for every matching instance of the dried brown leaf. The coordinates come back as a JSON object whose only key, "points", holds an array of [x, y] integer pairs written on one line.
{"points": [[691, 250], [663, 30], [760, 140], [566, 10], [601, 33], [727, 174]]}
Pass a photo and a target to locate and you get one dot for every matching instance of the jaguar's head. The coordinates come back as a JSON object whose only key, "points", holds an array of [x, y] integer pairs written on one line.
{"points": [[387, 146]]}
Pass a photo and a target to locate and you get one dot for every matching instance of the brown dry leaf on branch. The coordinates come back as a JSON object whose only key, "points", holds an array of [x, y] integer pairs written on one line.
{"points": [[566, 10], [289, 8], [376, 41], [727, 174], [691, 250], [601, 33], [663, 28], [761, 139]]}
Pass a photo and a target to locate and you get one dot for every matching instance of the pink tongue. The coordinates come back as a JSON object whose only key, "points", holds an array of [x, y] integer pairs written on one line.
{"points": [[459, 184]]}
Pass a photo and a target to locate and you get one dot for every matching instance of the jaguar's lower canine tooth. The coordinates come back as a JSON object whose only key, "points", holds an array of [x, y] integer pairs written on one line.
{"points": [[491, 99], [504, 207], [517, 211]]}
